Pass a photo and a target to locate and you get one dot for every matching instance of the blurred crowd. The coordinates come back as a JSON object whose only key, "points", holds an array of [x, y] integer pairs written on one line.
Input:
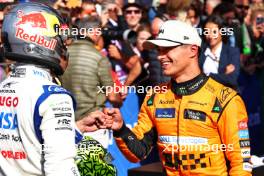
{"points": [[111, 52]]}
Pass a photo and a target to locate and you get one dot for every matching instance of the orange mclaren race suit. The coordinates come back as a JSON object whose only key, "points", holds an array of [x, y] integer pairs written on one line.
{"points": [[200, 127]]}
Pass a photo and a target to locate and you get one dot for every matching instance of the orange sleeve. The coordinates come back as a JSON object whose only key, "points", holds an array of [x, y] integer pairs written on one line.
{"points": [[137, 143], [232, 126]]}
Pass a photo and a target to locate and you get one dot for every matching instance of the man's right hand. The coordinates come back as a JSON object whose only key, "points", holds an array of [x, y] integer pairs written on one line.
{"points": [[116, 118], [94, 121]]}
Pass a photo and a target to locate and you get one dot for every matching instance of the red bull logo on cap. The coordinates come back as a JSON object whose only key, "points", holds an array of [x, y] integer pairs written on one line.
{"points": [[35, 19], [38, 28], [35, 38]]}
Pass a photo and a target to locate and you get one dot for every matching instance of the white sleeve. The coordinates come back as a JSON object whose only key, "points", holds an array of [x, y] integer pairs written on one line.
{"points": [[58, 132]]}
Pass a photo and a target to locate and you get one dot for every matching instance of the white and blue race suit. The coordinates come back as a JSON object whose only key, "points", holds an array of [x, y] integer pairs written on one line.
{"points": [[37, 125]]}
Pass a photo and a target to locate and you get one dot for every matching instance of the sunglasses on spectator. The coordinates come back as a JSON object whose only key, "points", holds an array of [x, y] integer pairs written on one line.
{"points": [[246, 7], [131, 11]]}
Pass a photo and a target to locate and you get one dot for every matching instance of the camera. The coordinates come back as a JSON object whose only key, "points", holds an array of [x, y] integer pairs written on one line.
{"points": [[116, 34], [112, 33]]}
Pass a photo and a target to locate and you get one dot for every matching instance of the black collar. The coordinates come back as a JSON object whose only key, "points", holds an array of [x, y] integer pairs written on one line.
{"points": [[189, 87]]}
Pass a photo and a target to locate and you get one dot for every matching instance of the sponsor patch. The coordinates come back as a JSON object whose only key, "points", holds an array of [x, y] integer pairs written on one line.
{"points": [[197, 103], [37, 39], [217, 106], [16, 138], [243, 134], [54, 88], [224, 94], [64, 121], [244, 143], [183, 140], [8, 121], [210, 88], [7, 91], [247, 167], [38, 73], [61, 109], [30, 25], [35, 19], [8, 101], [4, 136], [151, 100], [64, 124], [246, 160], [13, 154], [165, 113], [245, 153], [8, 85], [242, 124], [18, 73], [166, 101], [63, 115], [194, 115]]}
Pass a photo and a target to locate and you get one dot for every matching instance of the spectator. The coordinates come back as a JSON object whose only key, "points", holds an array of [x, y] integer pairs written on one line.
{"points": [[194, 14], [143, 34], [124, 61], [155, 72], [88, 9], [88, 70], [111, 15], [218, 60], [257, 21], [4, 63], [210, 5], [256, 25], [177, 9], [227, 11], [158, 9], [133, 14], [251, 79], [243, 35]]}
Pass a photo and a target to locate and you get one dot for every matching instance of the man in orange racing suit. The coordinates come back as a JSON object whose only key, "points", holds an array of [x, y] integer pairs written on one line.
{"points": [[199, 125]]}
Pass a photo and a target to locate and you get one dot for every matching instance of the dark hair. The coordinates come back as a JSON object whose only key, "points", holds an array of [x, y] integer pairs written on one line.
{"points": [[196, 6], [174, 6], [144, 27], [88, 22], [224, 8], [219, 21]]}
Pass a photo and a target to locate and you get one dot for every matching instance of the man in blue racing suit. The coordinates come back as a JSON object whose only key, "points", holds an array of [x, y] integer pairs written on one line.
{"points": [[37, 123]]}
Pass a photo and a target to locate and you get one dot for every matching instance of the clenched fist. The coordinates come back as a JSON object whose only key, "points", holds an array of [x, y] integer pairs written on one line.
{"points": [[117, 120], [94, 121]]}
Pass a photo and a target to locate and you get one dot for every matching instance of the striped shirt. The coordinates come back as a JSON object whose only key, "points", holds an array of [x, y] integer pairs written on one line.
{"points": [[87, 70]]}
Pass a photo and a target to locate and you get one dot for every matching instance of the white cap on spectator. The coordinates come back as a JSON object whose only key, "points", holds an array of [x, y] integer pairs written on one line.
{"points": [[174, 33]]}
